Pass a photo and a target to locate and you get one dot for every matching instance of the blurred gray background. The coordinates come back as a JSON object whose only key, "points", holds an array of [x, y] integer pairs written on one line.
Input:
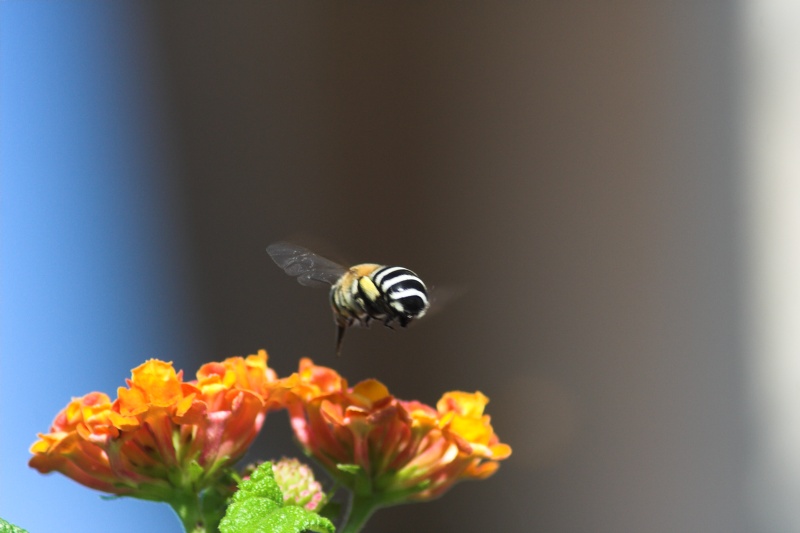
{"points": [[572, 171], [571, 167]]}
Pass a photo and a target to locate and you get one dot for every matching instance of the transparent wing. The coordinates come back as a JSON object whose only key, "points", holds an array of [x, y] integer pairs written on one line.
{"points": [[441, 297], [310, 269]]}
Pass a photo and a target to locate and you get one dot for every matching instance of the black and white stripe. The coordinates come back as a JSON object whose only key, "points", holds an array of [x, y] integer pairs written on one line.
{"points": [[405, 293], [358, 294]]}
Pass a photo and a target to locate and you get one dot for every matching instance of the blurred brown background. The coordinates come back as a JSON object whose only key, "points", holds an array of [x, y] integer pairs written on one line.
{"points": [[571, 168]]}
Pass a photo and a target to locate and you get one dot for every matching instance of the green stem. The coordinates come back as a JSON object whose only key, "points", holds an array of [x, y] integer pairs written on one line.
{"points": [[213, 504], [187, 507], [361, 508]]}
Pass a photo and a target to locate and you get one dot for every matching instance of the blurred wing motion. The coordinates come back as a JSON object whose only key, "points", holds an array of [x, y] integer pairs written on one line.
{"points": [[309, 268], [443, 296]]}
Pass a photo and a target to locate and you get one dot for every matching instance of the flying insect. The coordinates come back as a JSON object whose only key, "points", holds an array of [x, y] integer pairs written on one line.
{"points": [[359, 294]]}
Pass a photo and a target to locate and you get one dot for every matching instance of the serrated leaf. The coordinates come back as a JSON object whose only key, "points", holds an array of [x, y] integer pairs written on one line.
{"points": [[258, 507], [5, 527]]}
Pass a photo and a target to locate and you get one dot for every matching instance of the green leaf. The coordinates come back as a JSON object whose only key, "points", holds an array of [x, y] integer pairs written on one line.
{"points": [[361, 483], [332, 510], [258, 508], [350, 469], [196, 471], [5, 527]]}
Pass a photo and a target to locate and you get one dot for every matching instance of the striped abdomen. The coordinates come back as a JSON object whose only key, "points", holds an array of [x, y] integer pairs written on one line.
{"points": [[386, 293]]}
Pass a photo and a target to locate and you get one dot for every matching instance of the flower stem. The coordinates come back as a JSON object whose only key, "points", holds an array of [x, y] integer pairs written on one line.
{"points": [[187, 507], [361, 508]]}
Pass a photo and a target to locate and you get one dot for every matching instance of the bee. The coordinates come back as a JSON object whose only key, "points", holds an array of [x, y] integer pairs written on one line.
{"points": [[359, 294]]}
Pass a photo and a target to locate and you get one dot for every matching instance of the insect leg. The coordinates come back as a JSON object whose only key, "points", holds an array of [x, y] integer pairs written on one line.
{"points": [[339, 338]]}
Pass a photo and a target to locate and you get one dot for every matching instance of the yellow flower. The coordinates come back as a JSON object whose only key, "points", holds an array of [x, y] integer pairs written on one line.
{"points": [[161, 434]]}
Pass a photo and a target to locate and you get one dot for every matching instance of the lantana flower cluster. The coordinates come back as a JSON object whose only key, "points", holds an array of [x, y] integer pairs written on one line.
{"points": [[166, 439], [161, 433], [403, 450]]}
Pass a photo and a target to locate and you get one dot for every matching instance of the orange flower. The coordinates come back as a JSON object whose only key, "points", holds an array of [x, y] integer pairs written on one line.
{"points": [[389, 449], [161, 433]]}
